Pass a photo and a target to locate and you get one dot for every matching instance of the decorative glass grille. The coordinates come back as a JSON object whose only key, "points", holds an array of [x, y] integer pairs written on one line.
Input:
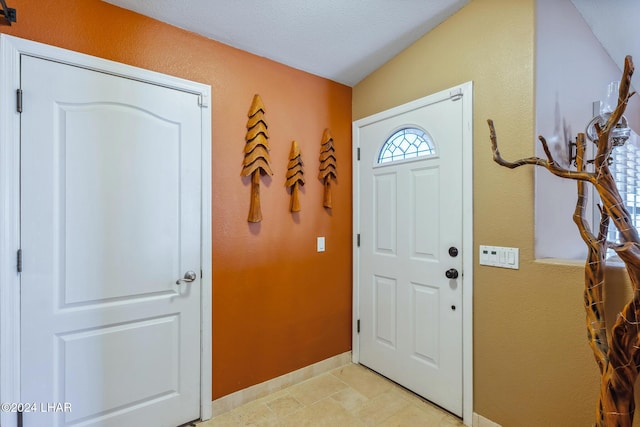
{"points": [[406, 144]]}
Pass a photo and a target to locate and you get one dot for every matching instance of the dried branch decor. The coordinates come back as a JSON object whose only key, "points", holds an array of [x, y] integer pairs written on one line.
{"points": [[617, 355], [295, 176], [327, 166], [256, 155]]}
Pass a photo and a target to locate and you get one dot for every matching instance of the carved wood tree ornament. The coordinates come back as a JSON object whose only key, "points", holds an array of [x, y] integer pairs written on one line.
{"points": [[617, 354], [295, 176], [256, 155], [327, 166]]}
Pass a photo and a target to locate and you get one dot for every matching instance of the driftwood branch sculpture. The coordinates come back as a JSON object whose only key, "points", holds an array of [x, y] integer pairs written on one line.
{"points": [[327, 166], [256, 155], [295, 176], [616, 353], [594, 267]]}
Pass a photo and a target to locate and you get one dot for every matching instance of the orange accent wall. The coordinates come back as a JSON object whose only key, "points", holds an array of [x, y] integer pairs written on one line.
{"points": [[278, 305]]}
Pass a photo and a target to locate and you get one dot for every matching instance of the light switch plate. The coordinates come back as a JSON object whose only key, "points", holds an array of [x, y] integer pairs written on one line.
{"points": [[500, 256], [320, 244]]}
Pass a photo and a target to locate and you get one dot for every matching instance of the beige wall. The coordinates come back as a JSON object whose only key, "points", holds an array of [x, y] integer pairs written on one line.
{"points": [[532, 363]]}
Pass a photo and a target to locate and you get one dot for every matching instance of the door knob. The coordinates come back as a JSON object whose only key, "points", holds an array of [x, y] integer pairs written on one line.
{"points": [[189, 277], [451, 273]]}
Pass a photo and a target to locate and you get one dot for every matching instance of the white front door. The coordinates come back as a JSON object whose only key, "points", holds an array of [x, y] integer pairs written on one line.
{"points": [[110, 220], [410, 256]]}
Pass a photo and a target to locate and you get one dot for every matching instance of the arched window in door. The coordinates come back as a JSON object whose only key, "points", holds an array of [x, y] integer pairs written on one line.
{"points": [[407, 143]]}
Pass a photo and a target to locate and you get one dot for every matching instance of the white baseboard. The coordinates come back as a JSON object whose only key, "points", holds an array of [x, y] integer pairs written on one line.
{"points": [[240, 397], [480, 421]]}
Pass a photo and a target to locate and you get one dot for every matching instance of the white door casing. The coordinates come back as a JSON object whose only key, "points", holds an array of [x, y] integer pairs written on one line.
{"points": [[91, 324], [415, 323]]}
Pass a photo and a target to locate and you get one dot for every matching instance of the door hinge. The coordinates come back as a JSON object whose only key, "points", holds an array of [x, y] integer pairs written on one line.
{"points": [[201, 275], [358, 153], [203, 100], [358, 326], [455, 95], [358, 240], [19, 100], [19, 261]]}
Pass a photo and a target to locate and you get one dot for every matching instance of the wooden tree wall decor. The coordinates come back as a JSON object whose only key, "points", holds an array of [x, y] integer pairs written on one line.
{"points": [[256, 155], [327, 166], [617, 353], [295, 176]]}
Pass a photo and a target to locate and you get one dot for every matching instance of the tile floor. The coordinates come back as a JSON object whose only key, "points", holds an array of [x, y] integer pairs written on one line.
{"points": [[350, 396]]}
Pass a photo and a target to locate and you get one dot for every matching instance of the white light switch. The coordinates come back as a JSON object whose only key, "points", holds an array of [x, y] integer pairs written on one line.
{"points": [[320, 244], [498, 256]]}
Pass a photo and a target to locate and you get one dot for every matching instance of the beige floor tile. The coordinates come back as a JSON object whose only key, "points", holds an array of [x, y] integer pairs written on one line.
{"points": [[448, 420], [414, 416], [256, 414], [225, 420], [363, 380], [409, 396], [376, 410], [284, 405], [349, 399], [351, 396], [451, 421], [325, 413], [274, 396], [317, 388]]}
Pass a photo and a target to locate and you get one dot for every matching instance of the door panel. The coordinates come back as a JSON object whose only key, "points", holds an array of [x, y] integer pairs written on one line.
{"points": [[85, 364], [410, 214], [425, 218], [113, 199], [385, 213], [110, 214], [425, 309], [385, 311]]}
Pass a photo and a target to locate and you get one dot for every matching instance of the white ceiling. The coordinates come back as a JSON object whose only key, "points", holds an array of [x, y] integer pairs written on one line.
{"points": [[346, 40], [342, 40]]}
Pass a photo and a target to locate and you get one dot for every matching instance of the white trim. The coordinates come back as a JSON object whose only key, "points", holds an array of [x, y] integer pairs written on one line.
{"points": [[480, 421], [9, 229], [206, 353], [467, 252], [467, 230], [11, 48]]}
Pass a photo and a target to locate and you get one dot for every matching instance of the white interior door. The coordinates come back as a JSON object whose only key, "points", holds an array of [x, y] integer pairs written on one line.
{"points": [[110, 220], [410, 226]]}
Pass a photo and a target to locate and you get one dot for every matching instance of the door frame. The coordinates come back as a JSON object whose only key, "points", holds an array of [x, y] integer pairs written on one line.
{"points": [[11, 48], [464, 90]]}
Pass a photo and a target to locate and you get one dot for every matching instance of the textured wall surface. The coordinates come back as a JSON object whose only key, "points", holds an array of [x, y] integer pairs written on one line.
{"points": [[532, 363], [277, 304]]}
